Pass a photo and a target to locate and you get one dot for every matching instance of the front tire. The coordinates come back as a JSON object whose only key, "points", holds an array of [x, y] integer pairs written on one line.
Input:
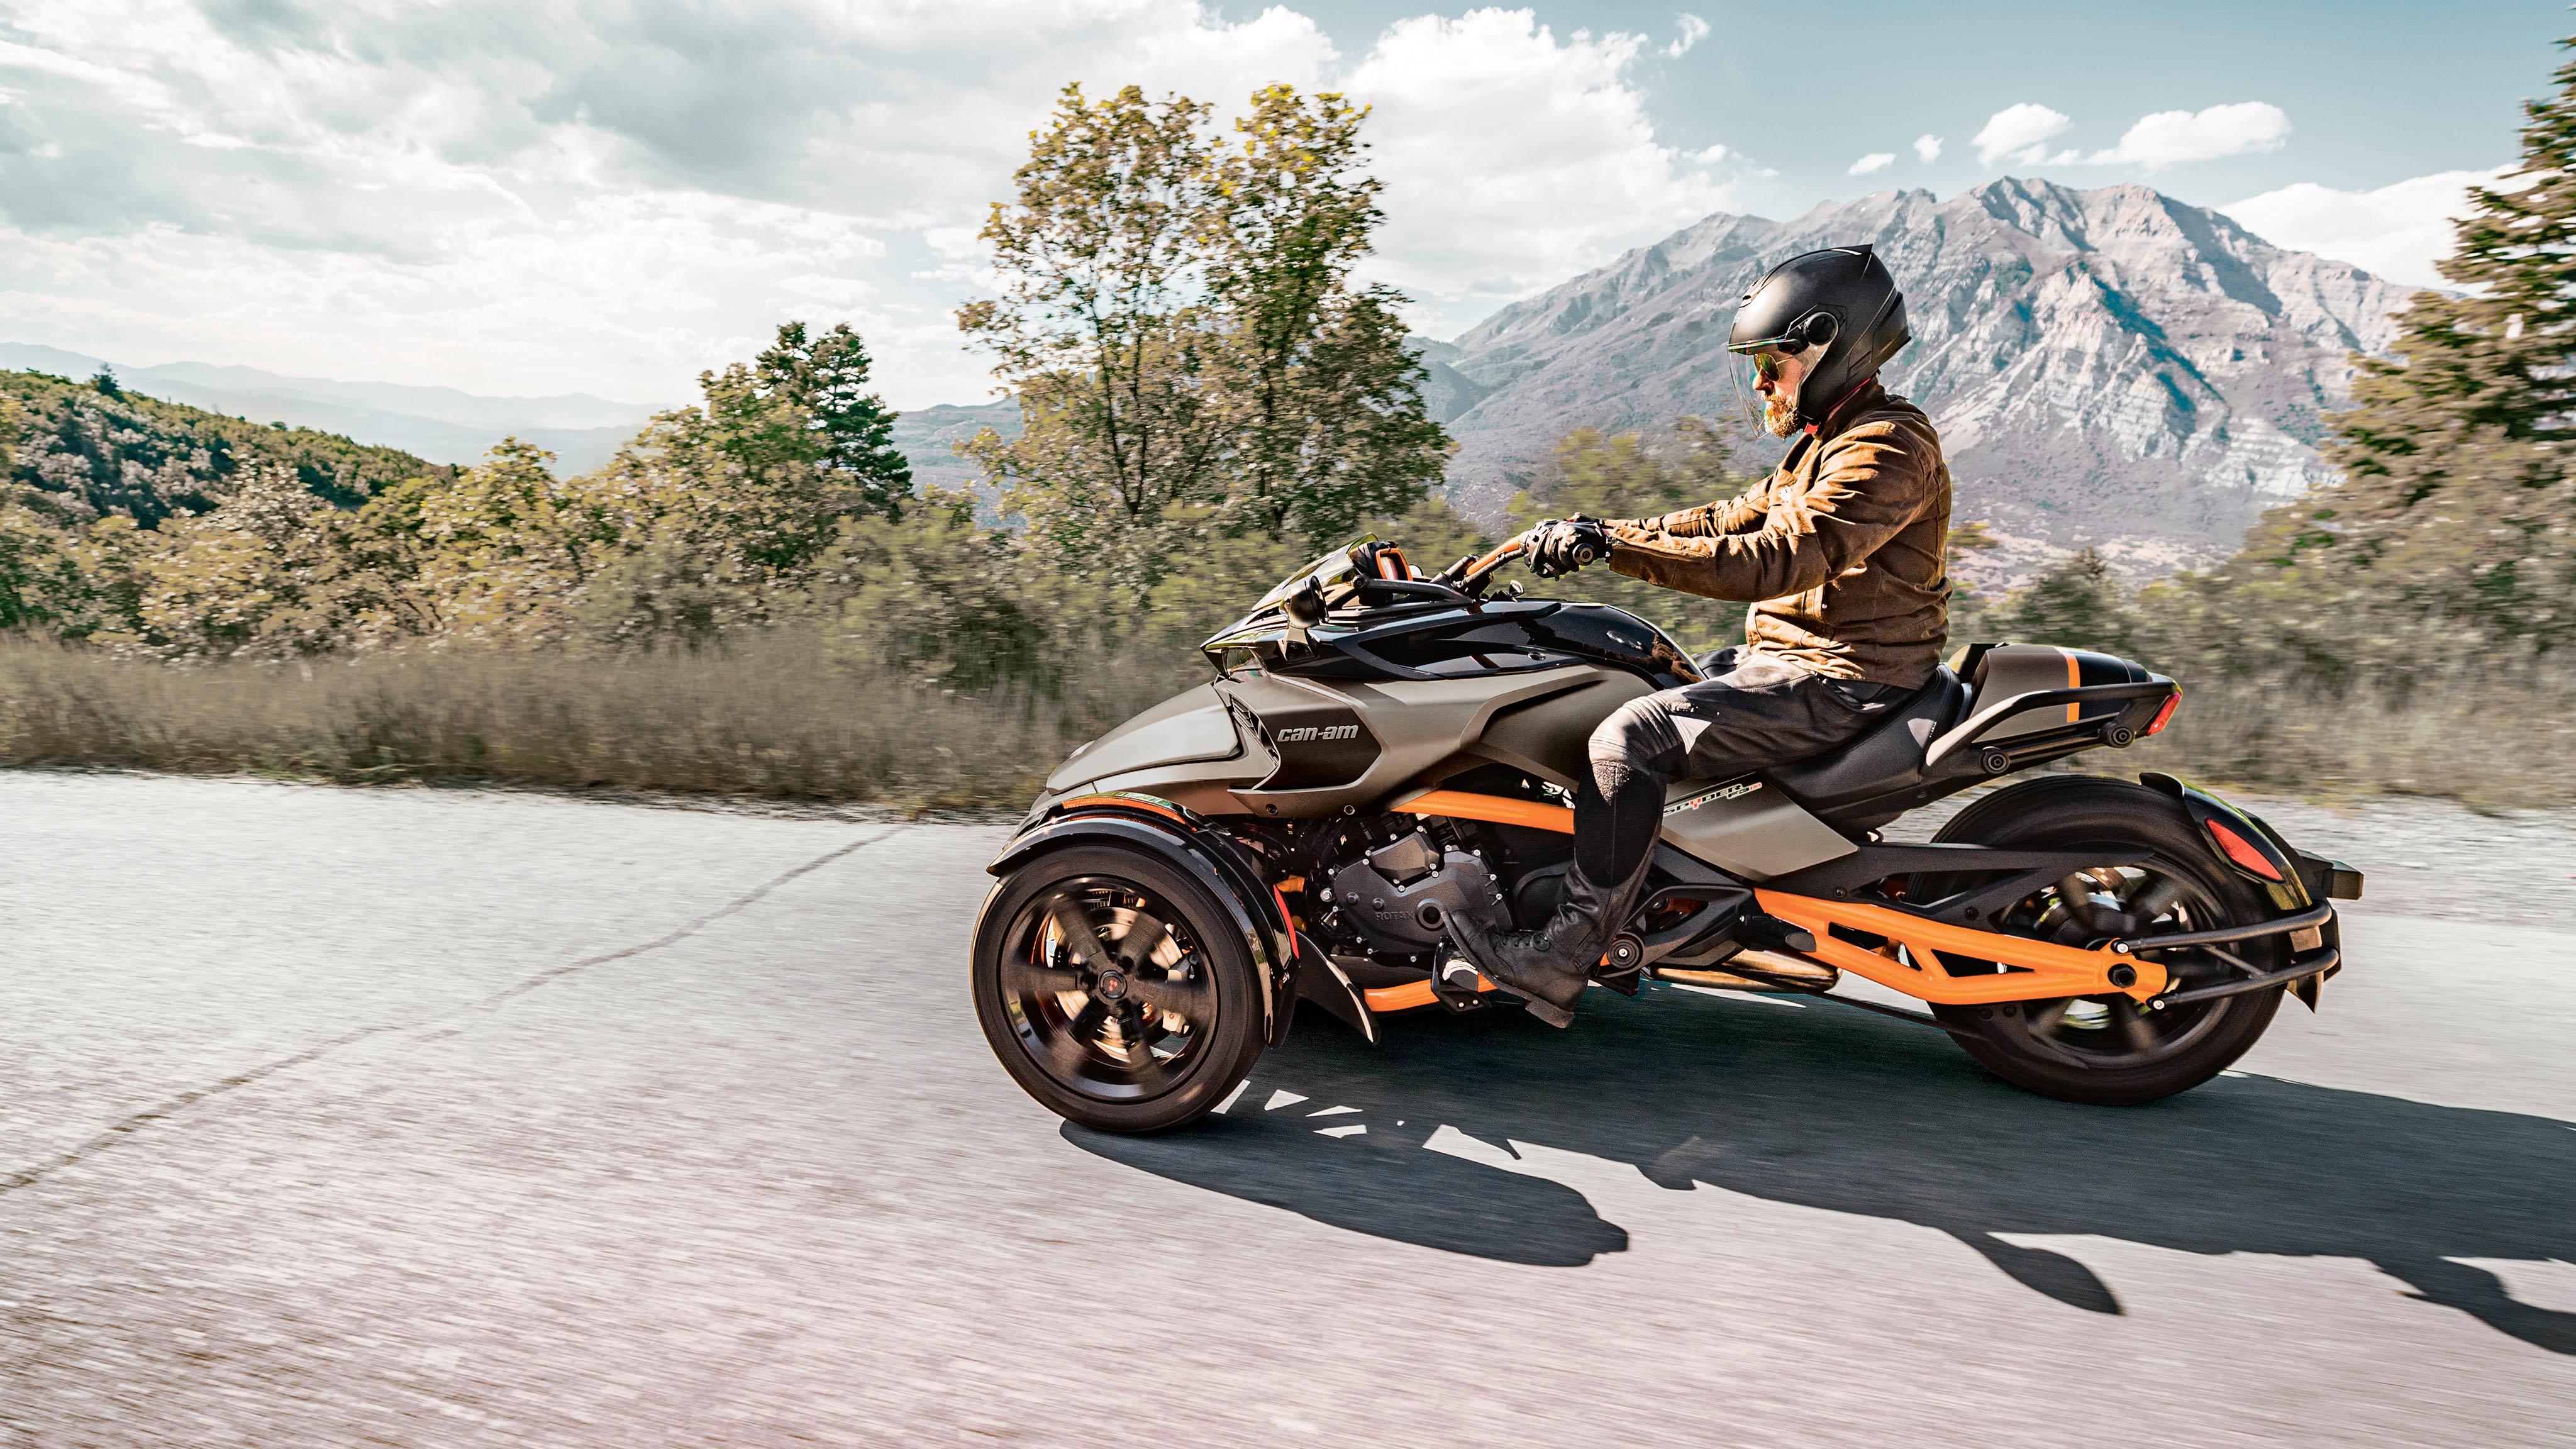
{"points": [[2106, 1051], [1115, 989]]}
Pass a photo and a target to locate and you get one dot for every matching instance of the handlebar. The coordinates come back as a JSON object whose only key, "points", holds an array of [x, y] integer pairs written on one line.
{"points": [[1477, 572]]}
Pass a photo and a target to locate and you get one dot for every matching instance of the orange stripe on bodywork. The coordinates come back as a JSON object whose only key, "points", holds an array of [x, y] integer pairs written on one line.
{"points": [[1496, 809], [2074, 680], [2048, 969], [1124, 802]]}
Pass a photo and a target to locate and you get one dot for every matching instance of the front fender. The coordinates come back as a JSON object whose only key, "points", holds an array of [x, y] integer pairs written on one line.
{"points": [[1185, 839]]}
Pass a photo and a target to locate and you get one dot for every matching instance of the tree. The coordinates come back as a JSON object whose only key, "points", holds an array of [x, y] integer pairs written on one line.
{"points": [[1190, 352], [1327, 423], [851, 429], [2457, 499], [1101, 329], [1969, 609], [2076, 604]]}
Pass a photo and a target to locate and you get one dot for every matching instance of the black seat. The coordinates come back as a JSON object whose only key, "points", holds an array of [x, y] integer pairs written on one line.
{"points": [[1887, 759]]}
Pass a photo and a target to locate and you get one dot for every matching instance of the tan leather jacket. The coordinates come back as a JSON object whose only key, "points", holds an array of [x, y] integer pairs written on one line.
{"points": [[1841, 547]]}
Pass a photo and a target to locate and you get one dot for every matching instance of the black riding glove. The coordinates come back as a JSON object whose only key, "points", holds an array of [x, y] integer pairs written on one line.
{"points": [[1560, 546]]}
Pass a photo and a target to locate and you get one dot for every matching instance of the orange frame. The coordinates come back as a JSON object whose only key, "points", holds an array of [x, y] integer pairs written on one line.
{"points": [[2046, 969]]}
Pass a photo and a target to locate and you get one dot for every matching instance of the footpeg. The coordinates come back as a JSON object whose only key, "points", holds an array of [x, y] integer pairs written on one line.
{"points": [[1622, 967], [1457, 983]]}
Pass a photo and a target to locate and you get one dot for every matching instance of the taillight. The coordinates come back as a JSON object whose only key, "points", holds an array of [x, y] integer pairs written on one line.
{"points": [[2242, 851], [2165, 713]]}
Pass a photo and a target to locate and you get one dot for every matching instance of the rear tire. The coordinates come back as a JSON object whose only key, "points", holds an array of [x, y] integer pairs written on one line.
{"points": [[2103, 1050], [1144, 1027]]}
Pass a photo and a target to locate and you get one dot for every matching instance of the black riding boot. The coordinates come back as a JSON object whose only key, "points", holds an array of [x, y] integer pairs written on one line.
{"points": [[1550, 966]]}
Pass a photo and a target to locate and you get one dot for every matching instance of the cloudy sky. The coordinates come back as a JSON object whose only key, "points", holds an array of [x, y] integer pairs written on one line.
{"points": [[542, 196]]}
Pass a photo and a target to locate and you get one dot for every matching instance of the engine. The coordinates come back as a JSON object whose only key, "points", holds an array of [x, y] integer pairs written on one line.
{"points": [[1395, 897]]}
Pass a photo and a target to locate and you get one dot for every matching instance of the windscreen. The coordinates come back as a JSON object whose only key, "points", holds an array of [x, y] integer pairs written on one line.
{"points": [[1332, 570]]}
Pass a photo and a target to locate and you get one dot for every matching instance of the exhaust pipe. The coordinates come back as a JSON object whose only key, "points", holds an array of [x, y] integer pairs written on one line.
{"points": [[1786, 973]]}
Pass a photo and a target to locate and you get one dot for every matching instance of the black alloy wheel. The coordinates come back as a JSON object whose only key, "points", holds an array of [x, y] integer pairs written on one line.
{"points": [[2111, 1050], [1115, 989]]}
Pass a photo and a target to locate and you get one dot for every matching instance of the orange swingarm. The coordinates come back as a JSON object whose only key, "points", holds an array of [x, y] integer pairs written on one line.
{"points": [[2046, 968], [2049, 970]]}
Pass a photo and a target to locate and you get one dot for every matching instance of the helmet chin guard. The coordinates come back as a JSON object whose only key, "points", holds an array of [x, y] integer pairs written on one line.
{"points": [[1837, 311]]}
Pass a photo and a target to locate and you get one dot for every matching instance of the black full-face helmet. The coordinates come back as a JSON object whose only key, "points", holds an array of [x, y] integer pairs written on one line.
{"points": [[1836, 310]]}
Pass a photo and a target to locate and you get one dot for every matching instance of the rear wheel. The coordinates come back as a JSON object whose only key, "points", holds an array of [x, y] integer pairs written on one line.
{"points": [[2109, 1050], [1115, 990]]}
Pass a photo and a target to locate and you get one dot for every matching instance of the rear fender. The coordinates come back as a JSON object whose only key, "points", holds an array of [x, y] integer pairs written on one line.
{"points": [[2239, 842], [1184, 839]]}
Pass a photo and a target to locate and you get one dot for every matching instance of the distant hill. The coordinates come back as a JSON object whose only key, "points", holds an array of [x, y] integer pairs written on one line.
{"points": [[80, 453], [929, 437], [440, 424], [2109, 367]]}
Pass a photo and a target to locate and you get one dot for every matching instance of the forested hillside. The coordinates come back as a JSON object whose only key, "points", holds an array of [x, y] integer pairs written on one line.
{"points": [[84, 450]]}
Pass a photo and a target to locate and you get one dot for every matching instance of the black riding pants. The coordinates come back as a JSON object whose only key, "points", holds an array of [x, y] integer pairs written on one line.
{"points": [[1750, 711]]}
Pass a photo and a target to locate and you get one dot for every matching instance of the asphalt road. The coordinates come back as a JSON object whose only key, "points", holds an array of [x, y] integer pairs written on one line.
{"points": [[419, 1117]]}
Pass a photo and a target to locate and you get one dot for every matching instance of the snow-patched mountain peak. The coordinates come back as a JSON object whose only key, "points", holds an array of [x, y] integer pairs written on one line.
{"points": [[2109, 367]]}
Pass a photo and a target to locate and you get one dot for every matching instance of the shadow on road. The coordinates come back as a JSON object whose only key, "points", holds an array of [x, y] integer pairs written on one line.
{"points": [[1837, 1110]]}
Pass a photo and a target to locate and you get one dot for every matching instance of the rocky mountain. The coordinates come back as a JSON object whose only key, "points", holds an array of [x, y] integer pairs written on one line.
{"points": [[2110, 367]]}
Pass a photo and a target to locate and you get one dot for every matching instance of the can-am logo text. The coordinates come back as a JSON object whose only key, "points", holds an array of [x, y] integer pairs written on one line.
{"points": [[1319, 732]]}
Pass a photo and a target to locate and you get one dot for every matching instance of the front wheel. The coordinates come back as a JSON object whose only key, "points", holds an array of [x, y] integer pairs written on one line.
{"points": [[2107, 1050], [1114, 990]]}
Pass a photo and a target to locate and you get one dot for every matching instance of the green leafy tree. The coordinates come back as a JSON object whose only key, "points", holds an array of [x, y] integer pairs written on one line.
{"points": [[2457, 499], [1327, 425], [1102, 329], [2076, 604], [1970, 610], [1190, 352], [850, 429]]}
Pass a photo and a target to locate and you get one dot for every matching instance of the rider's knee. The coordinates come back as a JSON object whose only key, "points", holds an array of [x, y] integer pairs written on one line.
{"points": [[1634, 738]]}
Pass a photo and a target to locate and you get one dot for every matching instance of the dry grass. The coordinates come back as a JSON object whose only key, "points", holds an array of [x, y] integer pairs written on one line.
{"points": [[2491, 739], [771, 720], [776, 719]]}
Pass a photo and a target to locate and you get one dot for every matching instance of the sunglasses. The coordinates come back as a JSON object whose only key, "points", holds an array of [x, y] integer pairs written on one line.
{"points": [[1766, 363]]}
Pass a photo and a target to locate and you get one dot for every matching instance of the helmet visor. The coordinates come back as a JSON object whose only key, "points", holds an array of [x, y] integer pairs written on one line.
{"points": [[1783, 370]]}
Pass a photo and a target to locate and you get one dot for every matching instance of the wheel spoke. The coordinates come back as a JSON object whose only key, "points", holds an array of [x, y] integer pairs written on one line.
{"points": [[2046, 1019], [2133, 1024], [1023, 977], [1081, 934], [2158, 898], [1145, 933], [1189, 997], [1063, 1049]]}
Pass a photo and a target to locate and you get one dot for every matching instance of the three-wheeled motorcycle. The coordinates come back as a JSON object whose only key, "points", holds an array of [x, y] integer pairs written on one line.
{"points": [[1380, 750]]}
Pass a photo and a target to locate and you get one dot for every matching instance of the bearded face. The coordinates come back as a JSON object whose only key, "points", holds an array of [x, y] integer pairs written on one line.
{"points": [[1780, 412]]}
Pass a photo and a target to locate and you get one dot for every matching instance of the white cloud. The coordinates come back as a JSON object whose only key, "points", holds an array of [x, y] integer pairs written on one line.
{"points": [[1513, 157], [1927, 148], [2018, 133], [591, 195], [1874, 161], [2397, 231], [2172, 138], [515, 198]]}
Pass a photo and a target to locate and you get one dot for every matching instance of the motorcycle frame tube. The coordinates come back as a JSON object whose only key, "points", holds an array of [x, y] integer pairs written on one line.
{"points": [[2048, 970], [1493, 809], [1215, 862]]}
